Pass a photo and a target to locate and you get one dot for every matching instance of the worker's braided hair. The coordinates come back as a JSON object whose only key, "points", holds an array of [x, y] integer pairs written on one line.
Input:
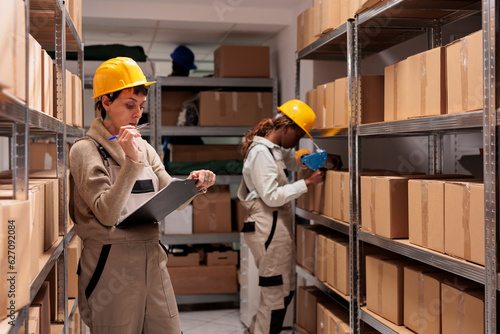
{"points": [[263, 128], [112, 96]]}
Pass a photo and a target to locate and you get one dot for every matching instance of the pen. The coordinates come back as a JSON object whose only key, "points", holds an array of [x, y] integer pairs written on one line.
{"points": [[137, 128]]}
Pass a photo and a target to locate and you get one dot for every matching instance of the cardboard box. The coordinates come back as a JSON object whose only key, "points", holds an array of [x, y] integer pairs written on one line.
{"points": [[35, 75], [226, 258], [242, 61], [14, 214], [171, 106], [339, 321], [203, 280], [464, 220], [51, 229], [69, 99], [74, 253], [311, 101], [308, 298], [7, 42], [330, 15], [77, 101], [426, 213], [300, 31], [462, 309], [234, 108], [416, 87], [33, 321], [317, 18], [372, 99], [212, 211], [344, 10], [186, 153], [329, 202], [363, 5], [341, 197], [320, 110], [384, 289], [183, 259], [422, 298], [52, 279], [330, 104], [47, 83], [43, 156], [337, 266], [13, 67], [384, 205], [306, 247], [341, 102], [42, 299], [179, 221], [319, 197], [321, 257], [464, 74], [323, 315]]}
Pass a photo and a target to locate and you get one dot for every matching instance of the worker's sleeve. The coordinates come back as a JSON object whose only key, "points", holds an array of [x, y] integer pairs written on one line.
{"points": [[93, 183], [264, 174], [289, 158]]}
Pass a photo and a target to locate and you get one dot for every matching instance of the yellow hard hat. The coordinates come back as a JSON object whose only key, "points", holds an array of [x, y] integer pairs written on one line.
{"points": [[116, 74], [300, 113]]}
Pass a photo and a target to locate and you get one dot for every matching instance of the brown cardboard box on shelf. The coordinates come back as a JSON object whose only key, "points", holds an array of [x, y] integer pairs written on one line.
{"points": [[35, 77], [52, 279], [300, 30], [14, 214], [426, 212], [226, 258], [341, 102], [462, 308], [340, 196], [305, 28], [328, 202], [384, 205], [330, 105], [171, 106], [212, 211], [234, 108], [74, 253], [308, 299], [306, 247], [323, 314], [344, 11], [372, 99], [76, 99], [464, 68], [69, 99], [330, 18], [337, 266], [7, 43], [183, 260], [320, 110], [311, 101], [384, 289], [44, 156], [464, 220], [242, 61], [339, 321], [319, 197], [317, 18], [47, 83], [321, 257], [51, 230], [416, 86], [422, 298], [42, 299], [186, 153], [13, 67], [363, 5], [203, 280]]}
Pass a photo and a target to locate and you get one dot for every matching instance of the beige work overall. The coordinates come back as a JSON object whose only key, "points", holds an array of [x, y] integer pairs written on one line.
{"points": [[124, 286], [269, 235]]}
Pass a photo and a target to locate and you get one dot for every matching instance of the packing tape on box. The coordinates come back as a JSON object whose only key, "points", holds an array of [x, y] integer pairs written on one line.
{"points": [[464, 75], [421, 322], [461, 312], [373, 226], [423, 83], [466, 222], [425, 213], [380, 286], [260, 104]]}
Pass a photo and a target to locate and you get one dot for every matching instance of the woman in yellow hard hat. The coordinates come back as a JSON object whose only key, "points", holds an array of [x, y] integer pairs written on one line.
{"points": [[123, 286], [267, 194]]}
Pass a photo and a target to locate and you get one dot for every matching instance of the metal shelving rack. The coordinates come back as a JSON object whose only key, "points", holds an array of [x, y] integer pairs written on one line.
{"points": [[385, 25], [196, 84], [19, 122]]}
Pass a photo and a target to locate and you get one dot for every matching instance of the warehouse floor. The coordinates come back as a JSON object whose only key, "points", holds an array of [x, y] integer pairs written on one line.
{"points": [[216, 321]]}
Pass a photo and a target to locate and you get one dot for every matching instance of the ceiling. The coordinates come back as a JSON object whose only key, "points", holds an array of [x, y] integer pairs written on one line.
{"points": [[202, 25]]}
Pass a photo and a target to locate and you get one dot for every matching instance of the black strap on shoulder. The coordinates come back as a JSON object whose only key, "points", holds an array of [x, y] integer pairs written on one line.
{"points": [[271, 280], [104, 154]]}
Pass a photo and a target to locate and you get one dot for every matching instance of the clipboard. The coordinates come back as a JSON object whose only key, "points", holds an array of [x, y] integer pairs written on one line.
{"points": [[162, 203]]}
